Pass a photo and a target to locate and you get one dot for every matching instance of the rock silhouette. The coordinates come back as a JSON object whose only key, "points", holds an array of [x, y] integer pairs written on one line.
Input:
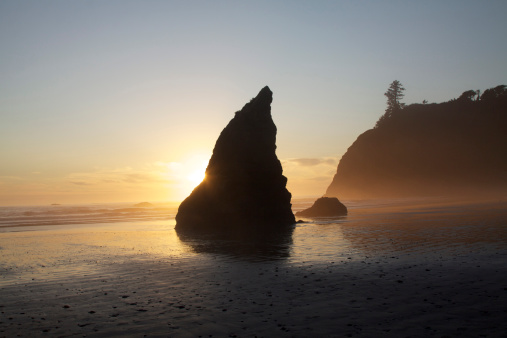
{"points": [[143, 205], [455, 148], [244, 189], [324, 207]]}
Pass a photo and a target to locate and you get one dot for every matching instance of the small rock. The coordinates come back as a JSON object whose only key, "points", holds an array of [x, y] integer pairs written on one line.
{"points": [[324, 207]]}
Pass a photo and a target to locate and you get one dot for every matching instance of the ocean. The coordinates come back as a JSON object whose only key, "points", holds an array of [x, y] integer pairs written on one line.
{"points": [[68, 215], [419, 268], [372, 227]]}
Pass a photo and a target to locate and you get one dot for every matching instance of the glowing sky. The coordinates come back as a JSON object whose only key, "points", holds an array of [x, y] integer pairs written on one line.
{"points": [[123, 100]]}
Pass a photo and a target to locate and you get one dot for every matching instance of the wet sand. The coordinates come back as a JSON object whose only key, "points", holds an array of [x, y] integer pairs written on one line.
{"points": [[374, 297], [149, 283]]}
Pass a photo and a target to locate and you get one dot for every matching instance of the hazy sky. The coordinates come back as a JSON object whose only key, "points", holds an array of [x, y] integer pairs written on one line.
{"points": [[123, 100]]}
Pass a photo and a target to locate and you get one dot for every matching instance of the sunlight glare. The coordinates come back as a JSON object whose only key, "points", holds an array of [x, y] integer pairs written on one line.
{"points": [[197, 176], [183, 176]]}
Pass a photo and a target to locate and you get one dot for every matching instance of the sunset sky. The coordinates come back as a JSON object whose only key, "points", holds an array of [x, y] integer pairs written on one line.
{"points": [[105, 101]]}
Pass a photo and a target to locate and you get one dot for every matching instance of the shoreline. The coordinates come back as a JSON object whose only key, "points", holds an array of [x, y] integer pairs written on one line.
{"points": [[376, 296], [418, 272], [158, 214]]}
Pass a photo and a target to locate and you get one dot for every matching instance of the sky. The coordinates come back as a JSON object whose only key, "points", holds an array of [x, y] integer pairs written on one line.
{"points": [[120, 101]]}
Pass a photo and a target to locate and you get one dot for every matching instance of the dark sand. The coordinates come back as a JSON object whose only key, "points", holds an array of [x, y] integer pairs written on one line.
{"points": [[130, 288]]}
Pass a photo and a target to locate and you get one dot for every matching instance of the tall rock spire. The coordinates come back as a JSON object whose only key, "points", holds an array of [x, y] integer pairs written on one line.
{"points": [[244, 187]]}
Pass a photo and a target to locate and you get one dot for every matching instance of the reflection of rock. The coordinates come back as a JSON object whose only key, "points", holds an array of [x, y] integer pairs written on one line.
{"points": [[244, 187], [246, 246], [324, 207], [143, 205]]}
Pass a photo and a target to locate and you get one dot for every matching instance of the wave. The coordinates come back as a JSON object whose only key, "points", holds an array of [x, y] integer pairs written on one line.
{"points": [[82, 214]]}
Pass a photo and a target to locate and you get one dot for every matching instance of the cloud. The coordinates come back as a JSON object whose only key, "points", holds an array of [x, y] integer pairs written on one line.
{"points": [[9, 181], [310, 162], [80, 183], [10, 178], [309, 176], [140, 177], [323, 178], [174, 179], [149, 174], [156, 181]]}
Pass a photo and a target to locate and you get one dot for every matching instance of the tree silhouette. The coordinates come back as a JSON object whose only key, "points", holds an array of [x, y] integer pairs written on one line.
{"points": [[467, 96], [493, 93], [394, 95]]}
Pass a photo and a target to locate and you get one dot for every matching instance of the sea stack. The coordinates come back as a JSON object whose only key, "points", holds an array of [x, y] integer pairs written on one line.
{"points": [[324, 207], [244, 189]]}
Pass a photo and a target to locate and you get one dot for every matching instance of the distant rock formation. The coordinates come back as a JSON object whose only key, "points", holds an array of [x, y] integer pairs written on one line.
{"points": [[325, 207], [455, 148], [244, 188], [143, 205]]}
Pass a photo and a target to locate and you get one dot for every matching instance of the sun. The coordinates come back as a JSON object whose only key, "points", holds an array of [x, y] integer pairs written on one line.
{"points": [[185, 174], [195, 169], [197, 176]]}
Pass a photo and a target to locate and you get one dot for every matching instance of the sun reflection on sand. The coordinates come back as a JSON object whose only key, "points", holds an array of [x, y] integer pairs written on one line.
{"points": [[74, 252], [71, 250]]}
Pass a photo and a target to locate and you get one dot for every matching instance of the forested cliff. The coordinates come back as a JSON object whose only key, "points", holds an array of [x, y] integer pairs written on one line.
{"points": [[452, 148]]}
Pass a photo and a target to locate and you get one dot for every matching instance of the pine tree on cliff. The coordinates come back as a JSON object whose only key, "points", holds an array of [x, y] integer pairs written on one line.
{"points": [[394, 95]]}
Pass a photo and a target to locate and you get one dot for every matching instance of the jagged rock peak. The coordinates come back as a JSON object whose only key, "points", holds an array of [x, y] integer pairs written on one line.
{"points": [[265, 96], [244, 185], [261, 104]]}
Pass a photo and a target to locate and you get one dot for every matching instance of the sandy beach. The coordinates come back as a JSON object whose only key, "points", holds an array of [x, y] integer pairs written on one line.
{"points": [[330, 279]]}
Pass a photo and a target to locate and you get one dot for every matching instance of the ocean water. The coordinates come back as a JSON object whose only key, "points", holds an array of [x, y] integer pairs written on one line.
{"points": [[54, 241], [408, 268], [67, 215]]}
